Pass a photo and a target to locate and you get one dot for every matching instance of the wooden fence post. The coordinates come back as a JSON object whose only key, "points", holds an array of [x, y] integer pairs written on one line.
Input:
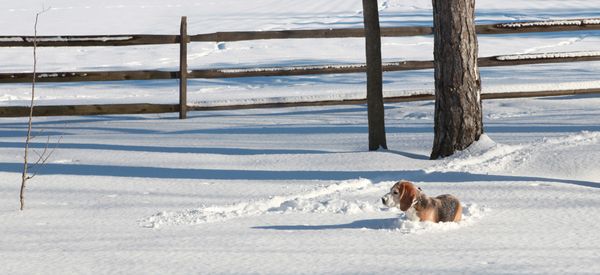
{"points": [[458, 116], [183, 68], [375, 106]]}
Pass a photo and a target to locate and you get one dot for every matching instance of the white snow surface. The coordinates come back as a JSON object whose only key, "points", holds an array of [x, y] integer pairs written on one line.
{"points": [[294, 190]]}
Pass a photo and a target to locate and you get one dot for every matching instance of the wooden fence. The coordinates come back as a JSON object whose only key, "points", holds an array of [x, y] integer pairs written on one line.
{"points": [[183, 74]]}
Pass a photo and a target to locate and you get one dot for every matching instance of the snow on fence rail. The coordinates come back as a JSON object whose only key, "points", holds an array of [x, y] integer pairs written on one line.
{"points": [[555, 55], [553, 23], [142, 39], [85, 40]]}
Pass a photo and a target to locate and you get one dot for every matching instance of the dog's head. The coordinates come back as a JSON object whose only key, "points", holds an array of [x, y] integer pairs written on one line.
{"points": [[402, 195]]}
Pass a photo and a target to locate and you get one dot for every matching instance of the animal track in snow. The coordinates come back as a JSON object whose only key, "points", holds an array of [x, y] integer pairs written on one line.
{"points": [[319, 200]]}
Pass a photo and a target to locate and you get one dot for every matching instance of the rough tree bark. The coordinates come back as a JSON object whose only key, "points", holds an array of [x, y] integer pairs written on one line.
{"points": [[458, 116], [375, 106]]}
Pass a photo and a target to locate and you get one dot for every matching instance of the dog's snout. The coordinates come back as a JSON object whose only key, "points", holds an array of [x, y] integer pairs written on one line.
{"points": [[383, 200]]}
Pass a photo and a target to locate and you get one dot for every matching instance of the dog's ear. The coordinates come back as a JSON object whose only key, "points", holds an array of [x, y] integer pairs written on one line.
{"points": [[409, 193]]}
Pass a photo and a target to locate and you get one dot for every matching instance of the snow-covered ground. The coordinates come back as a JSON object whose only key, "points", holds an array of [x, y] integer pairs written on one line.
{"points": [[294, 190]]}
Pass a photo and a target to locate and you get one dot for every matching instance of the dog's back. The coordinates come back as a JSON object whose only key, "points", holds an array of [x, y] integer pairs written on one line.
{"points": [[449, 208]]}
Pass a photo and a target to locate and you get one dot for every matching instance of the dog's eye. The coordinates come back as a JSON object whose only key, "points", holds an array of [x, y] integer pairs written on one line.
{"points": [[395, 192]]}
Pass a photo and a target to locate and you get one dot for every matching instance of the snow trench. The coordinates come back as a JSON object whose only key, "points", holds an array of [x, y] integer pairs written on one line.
{"points": [[326, 200]]}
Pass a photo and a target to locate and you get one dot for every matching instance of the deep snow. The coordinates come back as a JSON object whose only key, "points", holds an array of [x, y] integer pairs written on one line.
{"points": [[294, 190]]}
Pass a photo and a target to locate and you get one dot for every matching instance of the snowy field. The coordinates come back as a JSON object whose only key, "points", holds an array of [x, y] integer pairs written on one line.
{"points": [[295, 191]]}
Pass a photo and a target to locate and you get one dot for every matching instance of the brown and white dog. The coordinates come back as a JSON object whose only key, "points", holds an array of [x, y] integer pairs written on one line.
{"points": [[419, 207]]}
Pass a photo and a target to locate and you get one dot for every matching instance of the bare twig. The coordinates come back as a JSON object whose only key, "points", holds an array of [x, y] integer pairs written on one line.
{"points": [[25, 176], [38, 134], [43, 157]]}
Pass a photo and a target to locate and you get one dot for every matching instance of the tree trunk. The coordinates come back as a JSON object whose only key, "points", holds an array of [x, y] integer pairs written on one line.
{"points": [[458, 116], [375, 107]]}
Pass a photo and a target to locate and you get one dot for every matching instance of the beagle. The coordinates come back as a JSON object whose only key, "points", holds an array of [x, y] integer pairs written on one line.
{"points": [[419, 207]]}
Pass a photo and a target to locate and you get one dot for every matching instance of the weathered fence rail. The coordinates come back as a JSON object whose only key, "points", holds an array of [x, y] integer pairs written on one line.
{"points": [[97, 109], [145, 39], [494, 61], [112, 109], [183, 73]]}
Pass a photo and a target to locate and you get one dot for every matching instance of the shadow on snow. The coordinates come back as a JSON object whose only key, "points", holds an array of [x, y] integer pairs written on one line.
{"points": [[230, 174], [359, 224]]}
